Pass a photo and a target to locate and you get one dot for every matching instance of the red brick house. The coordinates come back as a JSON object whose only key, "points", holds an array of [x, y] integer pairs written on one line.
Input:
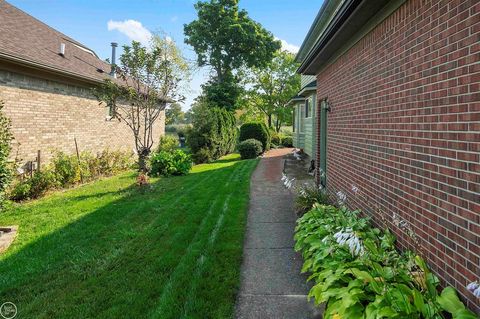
{"points": [[398, 90], [46, 79]]}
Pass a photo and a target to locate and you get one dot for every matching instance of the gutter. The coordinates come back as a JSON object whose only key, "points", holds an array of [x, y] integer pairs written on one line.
{"points": [[338, 20], [40, 66]]}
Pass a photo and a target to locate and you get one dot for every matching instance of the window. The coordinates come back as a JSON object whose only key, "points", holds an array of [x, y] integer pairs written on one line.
{"points": [[309, 107]]}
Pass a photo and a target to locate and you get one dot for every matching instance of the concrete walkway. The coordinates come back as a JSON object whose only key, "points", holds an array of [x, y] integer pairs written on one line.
{"points": [[271, 283]]}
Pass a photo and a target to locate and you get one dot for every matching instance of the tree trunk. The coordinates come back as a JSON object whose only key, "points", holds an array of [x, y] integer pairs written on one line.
{"points": [[269, 120], [142, 160]]}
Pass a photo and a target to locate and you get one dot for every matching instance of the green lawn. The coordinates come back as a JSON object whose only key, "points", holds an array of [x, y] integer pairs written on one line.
{"points": [[111, 250]]}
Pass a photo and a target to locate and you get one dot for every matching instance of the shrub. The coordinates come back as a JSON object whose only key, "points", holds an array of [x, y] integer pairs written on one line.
{"points": [[250, 148], [287, 141], [34, 187], [213, 133], [275, 139], [307, 197], [170, 163], [257, 131], [67, 169], [167, 143], [6, 138], [358, 272]]}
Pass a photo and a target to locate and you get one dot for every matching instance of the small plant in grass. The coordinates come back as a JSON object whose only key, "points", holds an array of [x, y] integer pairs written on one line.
{"points": [[250, 148], [170, 163]]}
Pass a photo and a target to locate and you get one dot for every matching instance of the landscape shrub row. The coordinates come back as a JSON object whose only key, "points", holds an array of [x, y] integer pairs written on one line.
{"points": [[358, 273], [280, 139], [66, 170], [214, 134]]}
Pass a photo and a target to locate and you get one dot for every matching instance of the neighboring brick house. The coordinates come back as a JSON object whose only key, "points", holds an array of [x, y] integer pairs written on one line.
{"points": [[47, 93], [398, 85]]}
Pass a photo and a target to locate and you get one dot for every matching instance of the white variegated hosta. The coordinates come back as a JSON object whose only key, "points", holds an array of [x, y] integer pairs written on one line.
{"points": [[474, 288], [349, 238]]}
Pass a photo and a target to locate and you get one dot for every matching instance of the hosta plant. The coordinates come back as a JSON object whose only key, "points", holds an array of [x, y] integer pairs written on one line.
{"points": [[358, 273]]}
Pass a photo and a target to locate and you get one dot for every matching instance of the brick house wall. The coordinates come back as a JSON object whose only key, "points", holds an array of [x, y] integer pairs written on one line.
{"points": [[404, 132], [47, 115]]}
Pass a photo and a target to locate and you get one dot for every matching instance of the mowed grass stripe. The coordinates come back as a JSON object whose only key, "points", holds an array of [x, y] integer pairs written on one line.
{"points": [[186, 263], [121, 273]]}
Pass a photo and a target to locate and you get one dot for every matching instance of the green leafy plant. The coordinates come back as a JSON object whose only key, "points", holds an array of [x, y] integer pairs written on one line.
{"points": [[214, 133], [358, 273], [170, 163], [257, 131], [250, 148], [287, 141], [34, 187], [167, 143], [6, 138], [307, 197]]}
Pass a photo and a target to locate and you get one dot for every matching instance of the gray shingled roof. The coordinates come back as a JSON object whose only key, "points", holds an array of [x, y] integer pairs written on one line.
{"points": [[28, 41]]}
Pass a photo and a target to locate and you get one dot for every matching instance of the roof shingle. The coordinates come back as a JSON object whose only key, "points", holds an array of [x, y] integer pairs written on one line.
{"points": [[26, 40]]}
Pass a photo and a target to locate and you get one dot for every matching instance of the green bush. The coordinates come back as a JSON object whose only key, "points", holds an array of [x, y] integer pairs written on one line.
{"points": [[309, 196], [65, 170], [213, 134], [6, 138], [250, 148], [33, 187], [275, 138], [257, 131], [170, 163], [287, 141], [167, 143], [358, 273]]}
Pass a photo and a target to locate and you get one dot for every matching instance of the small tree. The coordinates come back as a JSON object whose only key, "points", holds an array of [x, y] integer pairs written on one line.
{"points": [[272, 87], [148, 80], [6, 138]]}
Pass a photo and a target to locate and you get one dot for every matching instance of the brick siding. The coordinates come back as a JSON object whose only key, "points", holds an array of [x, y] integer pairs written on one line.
{"points": [[405, 131], [48, 115]]}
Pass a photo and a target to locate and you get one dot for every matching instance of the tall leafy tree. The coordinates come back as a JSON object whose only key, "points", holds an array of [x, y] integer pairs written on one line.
{"points": [[6, 138], [272, 86], [174, 114], [225, 39], [148, 80]]}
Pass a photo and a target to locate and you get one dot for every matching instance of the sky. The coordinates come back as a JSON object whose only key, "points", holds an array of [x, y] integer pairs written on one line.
{"points": [[97, 23]]}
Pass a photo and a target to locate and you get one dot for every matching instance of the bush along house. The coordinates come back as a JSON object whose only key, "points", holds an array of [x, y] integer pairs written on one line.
{"points": [[46, 81], [398, 90]]}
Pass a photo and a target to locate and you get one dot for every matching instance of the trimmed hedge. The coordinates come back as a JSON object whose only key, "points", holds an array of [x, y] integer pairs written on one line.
{"points": [[214, 134], [250, 148], [258, 131]]}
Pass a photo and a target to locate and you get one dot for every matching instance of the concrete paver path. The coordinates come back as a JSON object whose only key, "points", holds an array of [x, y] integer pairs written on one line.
{"points": [[271, 283]]}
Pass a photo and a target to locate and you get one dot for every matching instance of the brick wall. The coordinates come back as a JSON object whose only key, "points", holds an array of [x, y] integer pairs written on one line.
{"points": [[47, 115], [404, 131]]}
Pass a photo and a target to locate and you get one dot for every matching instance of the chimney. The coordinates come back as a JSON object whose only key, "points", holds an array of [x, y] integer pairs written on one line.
{"points": [[113, 62], [61, 52]]}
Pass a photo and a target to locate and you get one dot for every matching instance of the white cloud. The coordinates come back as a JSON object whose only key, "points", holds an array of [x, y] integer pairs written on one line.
{"points": [[174, 18], [134, 30], [288, 47]]}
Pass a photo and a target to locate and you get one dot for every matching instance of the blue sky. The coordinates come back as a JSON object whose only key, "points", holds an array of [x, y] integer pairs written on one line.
{"points": [[87, 21]]}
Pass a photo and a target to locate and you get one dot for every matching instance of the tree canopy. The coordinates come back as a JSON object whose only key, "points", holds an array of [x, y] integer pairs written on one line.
{"points": [[149, 78], [225, 38], [272, 86]]}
